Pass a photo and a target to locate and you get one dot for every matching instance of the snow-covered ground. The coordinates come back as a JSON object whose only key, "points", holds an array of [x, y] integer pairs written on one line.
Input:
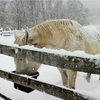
{"points": [[47, 74]]}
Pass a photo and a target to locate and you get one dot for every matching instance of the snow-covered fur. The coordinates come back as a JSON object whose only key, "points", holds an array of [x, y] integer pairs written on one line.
{"points": [[24, 67], [58, 34], [91, 38], [92, 35]]}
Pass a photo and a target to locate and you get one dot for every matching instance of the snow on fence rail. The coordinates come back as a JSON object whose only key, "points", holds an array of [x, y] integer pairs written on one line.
{"points": [[89, 65], [70, 62], [60, 92], [4, 97]]}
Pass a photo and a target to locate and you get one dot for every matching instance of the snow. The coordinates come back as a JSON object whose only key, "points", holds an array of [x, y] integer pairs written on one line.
{"points": [[93, 31], [47, 74]]}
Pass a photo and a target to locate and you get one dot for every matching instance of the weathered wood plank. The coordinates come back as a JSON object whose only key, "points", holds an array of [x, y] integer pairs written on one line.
{"points": [[69, 62], [59, 92], [4, 97]]}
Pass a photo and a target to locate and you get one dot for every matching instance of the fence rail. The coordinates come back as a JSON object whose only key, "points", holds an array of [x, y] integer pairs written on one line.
{"points": [[70, 62], [4, 97], [57, 91]]}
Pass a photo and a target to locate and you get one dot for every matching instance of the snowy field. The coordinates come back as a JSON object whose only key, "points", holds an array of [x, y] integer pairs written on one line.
{"points": [[47, 74]]}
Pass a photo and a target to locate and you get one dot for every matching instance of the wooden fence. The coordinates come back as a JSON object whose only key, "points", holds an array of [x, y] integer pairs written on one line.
{"points": [[69, 62]]}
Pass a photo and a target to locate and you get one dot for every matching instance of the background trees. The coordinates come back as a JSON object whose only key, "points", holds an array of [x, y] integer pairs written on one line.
{"points": [[27, 13], [76, 11], [2, 12]]}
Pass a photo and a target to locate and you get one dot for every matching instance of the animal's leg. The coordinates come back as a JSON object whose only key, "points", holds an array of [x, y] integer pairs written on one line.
{"points": [[71, 78], [63, 76], [88, 76]]}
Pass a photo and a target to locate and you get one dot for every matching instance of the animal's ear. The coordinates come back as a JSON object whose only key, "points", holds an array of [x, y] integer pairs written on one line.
{"points": [[16, 35], [26, 35]]}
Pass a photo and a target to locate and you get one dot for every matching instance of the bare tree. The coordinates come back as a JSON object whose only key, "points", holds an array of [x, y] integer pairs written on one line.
{"points": [[27, 13], [76, 11], [2, 12]]}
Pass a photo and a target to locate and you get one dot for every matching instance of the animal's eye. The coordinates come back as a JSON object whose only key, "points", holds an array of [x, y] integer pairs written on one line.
{"points": [[35, 44], [30, 38]]}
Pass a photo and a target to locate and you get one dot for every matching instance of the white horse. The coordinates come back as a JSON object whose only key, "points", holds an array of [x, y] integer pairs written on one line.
{"points": [[61, 34], [56, 34]]}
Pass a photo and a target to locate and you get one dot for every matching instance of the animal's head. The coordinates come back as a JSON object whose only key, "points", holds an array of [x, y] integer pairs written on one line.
{"points": [[20, 39]]}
